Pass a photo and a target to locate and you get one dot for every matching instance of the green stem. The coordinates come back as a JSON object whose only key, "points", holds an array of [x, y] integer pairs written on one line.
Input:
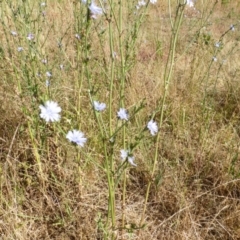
{"points": [[167, 78], [122, 103], [109, 159]]}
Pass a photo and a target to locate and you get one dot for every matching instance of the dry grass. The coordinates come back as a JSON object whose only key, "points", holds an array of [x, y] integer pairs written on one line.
{"points": [[196, 189]]}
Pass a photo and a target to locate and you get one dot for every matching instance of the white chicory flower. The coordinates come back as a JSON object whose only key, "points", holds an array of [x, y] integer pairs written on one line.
{"points": [[153, 1], [44, 61], [122, 114], [77, 137], [30, 36], [130, 160], [95, 10], [50, 111], [125, 156], [14, 33], [232, 27], [49, 74], [190, 3], [20, 49], [141, 3], [99, 106], [152, 127], [77, 36]]}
